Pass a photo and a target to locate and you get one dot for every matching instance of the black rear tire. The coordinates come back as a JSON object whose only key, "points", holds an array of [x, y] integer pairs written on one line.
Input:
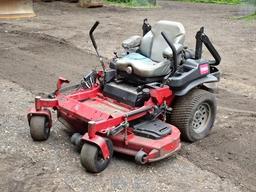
{"points": [[194, 114], [39, 129], [91, 157]]}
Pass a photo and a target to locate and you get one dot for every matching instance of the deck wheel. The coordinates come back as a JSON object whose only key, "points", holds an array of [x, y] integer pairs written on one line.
{"points": [[92, 159], [140, 157], [39, 129]]}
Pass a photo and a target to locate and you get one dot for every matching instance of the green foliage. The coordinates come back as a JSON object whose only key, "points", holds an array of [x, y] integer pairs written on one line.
{"points": [[249, 17], [131, 3], [253, 3], [216, 1]]}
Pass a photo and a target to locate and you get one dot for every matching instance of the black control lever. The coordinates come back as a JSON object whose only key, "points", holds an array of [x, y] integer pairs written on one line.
{"points": [[175, 58], [146, 27], [92, 37], [95, 45]]}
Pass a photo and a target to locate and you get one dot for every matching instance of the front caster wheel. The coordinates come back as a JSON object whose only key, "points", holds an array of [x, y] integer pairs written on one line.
{"points": [[92, 159], [140, 157], [39, 129]]}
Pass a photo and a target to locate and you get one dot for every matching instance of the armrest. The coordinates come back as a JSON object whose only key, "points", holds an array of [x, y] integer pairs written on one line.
{"points": [[132, 42], [168, 52]]}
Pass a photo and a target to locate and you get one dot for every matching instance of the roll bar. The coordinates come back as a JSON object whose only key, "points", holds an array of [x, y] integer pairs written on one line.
{"points": [[174, 51], [175, 58], [202, 38]]}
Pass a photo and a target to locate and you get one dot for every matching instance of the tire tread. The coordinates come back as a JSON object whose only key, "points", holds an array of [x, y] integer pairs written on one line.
{"points": [[37, 128], [183, 108]]}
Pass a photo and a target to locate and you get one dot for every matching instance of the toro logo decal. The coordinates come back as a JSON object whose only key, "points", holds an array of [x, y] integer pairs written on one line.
{"points": [[204, 69]]}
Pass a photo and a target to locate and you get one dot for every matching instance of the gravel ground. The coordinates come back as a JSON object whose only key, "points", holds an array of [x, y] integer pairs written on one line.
{"points": [[54, 165], [35, 52]]}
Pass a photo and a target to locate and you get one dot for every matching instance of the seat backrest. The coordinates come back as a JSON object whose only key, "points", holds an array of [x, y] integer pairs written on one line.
{"points": [[153, 44]]}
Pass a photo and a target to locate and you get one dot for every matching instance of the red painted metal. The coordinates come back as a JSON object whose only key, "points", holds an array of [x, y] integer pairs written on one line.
{"points": [[41, 103], [161, 94], [100, 142], [85, 94], [204, 68], [44, 112], [95, 127], [154, 148], [60, 81], [81, 110], [104, 114]]}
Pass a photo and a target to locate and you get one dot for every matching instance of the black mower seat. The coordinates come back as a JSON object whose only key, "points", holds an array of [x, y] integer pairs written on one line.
{"points": [[152, 58]]}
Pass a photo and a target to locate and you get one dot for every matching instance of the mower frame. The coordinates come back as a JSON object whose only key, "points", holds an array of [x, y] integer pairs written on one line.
{"points": [[106, 119], [74, 107]]}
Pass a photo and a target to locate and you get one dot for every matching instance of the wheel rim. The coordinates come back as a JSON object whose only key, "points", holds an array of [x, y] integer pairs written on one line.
{"points": [[201, 117]]}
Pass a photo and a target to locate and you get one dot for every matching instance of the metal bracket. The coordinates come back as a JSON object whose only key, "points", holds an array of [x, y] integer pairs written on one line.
{"points": [[119, 128]]}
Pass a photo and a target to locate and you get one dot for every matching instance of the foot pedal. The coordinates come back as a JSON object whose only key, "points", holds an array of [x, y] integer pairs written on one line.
{"points": [[154, 129]]}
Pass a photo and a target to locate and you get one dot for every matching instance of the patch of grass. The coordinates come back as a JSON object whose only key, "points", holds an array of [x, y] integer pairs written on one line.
{"points": [[249, 17], [131, 3], [214, 1]]}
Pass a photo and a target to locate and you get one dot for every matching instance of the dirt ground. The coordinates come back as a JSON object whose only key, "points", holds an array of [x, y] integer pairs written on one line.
{"points": [[36, 51]]}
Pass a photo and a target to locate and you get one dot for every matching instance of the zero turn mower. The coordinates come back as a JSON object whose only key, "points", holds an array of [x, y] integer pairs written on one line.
{"points": [[141, 103]]}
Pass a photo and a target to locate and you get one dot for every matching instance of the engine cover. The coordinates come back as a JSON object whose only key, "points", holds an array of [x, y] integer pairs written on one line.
{"points": [[125, 93]]}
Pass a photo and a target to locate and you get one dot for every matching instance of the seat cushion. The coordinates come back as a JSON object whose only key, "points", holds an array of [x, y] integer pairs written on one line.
{"points": [[132, 42], [153, 44], [143, 66], [151, 61]]}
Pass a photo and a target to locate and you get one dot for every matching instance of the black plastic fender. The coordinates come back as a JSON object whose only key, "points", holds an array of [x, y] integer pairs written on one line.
{"points": [[207, 79]]}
